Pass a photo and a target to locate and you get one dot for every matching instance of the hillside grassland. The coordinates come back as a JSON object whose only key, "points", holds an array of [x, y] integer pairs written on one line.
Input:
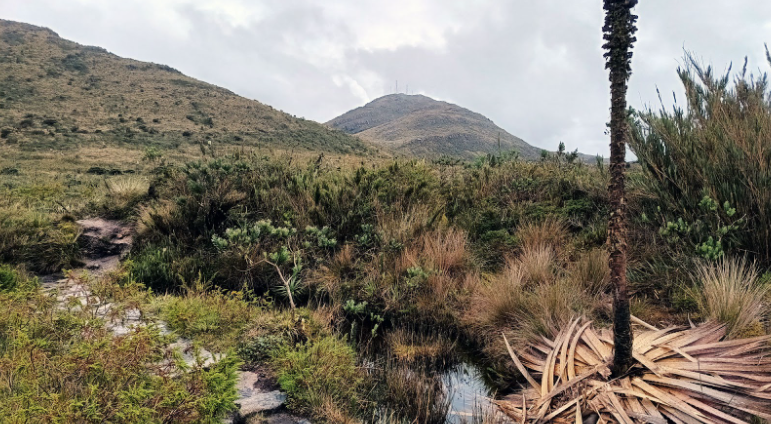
{"points": [[55, 93], [350, 279]]}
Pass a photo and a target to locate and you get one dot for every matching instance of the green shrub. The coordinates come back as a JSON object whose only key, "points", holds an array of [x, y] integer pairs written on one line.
{"points": [[717, 148], [9, 278], [214, 318]]}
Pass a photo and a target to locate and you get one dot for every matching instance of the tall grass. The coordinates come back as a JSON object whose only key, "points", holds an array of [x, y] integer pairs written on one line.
{"points": [[550, 233], [728, 292]]}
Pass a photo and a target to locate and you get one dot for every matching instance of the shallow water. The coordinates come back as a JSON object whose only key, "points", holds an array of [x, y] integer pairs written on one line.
{"points": [[469, 391]]}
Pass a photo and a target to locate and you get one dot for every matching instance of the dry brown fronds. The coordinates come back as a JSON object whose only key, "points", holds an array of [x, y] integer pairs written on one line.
{"points": [[728, 292], [549, 233], [681, 376]]}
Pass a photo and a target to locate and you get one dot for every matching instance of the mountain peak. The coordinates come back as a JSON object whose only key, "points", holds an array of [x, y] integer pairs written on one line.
{"points": [[419, 125]]}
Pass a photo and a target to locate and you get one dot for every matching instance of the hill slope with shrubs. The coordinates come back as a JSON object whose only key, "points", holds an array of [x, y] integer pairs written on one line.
{"points": [[57, 93]]}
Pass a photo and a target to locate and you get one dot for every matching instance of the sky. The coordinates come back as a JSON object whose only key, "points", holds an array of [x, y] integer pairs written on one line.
{"points": [[534, 67]]}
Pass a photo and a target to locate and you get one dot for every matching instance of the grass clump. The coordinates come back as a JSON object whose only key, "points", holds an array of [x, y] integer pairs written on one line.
{"points": [[321, 378], [214, 318], [728, 291], [124, 194], [412, 395], [413, 346], [591, 271]]}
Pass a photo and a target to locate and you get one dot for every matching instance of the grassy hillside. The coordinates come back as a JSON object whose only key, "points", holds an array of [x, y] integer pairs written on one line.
{"points": [[419, 125], [57, 93]]}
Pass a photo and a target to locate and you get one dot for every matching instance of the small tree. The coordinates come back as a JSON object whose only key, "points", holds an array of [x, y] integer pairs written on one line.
{"points": [[619, 32]]}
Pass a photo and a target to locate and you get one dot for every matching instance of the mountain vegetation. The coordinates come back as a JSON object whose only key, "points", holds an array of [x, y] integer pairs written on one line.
{"points": [[55, 93], [354, 285]]}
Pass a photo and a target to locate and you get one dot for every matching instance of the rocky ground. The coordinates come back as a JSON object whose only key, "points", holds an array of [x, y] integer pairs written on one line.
{"points": [[104, 243]]}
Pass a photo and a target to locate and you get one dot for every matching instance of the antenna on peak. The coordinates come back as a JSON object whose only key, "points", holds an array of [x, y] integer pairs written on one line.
{"points": [[396, 90]]}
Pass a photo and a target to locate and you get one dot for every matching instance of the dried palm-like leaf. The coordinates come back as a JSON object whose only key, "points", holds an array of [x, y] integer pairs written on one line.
{"points": [[682, 375]]}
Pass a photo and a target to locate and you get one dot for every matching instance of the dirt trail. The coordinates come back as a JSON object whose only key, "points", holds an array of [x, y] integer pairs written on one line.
{"points": [[104, 243]]}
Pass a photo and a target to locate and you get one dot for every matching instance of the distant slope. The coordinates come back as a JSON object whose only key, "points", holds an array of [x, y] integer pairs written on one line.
{"points": [[419, 125], [55, 92]]}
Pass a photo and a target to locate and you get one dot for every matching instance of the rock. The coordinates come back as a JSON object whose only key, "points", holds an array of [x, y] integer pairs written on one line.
{"points": [[187, 350], [253, 400], [247, 381], [261, 402]]}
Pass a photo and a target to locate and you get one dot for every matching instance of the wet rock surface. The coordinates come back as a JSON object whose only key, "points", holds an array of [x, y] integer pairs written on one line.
{"points": [[260, 401]]}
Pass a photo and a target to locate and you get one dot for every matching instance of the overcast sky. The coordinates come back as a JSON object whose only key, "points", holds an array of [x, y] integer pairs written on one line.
{"points": [[535, 67]]}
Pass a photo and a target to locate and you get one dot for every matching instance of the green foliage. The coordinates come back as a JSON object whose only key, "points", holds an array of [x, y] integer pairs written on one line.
{"points": [[62, 365], [324, 237], [711, 234], [318, 372], [10, 279], [213, 318], [714, 147], [155, 267]]}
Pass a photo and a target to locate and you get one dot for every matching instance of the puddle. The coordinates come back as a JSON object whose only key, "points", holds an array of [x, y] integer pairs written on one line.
{"points": [[468, 390], [467, 387]]}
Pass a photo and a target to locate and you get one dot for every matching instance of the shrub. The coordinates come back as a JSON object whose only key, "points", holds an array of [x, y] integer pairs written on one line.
{"points": [[9, 278], [717, 146], [213, 318], [728, 292]]}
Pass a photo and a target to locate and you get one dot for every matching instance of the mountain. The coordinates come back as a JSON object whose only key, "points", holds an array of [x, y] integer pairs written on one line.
{"points": [[54, 92], [419, 125]]}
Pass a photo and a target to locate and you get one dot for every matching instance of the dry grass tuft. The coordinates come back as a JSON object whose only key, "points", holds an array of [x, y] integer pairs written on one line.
{"points": [[127, 188], [445, 251], [591, 271], [549, 233], [728, 292], [410, 346], [537, 264], [525, 311], [156, 218]]}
